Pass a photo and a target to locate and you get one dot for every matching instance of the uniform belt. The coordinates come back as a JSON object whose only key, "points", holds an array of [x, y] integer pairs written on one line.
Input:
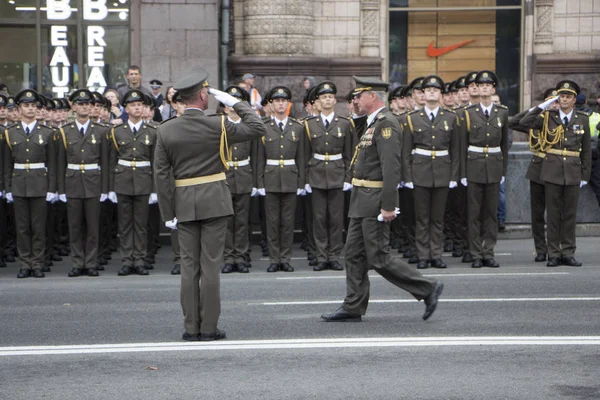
{"points": [[241, 163], [134, 164], [200, 180], [432, 153], [563, 152], [366, 183], [281, 162], [83, 167], [485, 150], [29, 166], [539, 154], [327, 157]]}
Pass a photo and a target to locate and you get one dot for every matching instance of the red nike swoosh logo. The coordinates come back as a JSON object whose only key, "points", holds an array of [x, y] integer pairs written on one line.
{"points": [[434, 52]]}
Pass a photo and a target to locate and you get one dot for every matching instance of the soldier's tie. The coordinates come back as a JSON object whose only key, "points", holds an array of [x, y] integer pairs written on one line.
{"points": [[281, 126], [487, 114], [82, 131], [431, 117], [27, 131], [566, 120], [134, 131], [326, 124]]}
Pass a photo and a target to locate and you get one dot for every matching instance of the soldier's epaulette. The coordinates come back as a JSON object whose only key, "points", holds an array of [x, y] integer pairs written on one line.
{"points": [[502, 106], [581, 112], [310, 117], [471, 106], [12, 126], [167, 120], [380, 116], [150, 126], [266, 119], [448, 110], [413, 112], [295, 120]]}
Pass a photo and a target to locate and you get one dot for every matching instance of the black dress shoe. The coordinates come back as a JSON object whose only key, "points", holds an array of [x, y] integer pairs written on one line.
{"points": [[432, 299], [46, 267], [75, 272], [150, 260], [336, 266], [2, 263], [413, 259], [148, 266], [408, 253], [401, 249], [322, 266], [102, 261], [216, 335], [242, 267], [273, 268], [10, 258], [423, 264], [541, 257], [140, 270], [55, 257], [286, 267], [91, 272], [341, 315], [38, 273], [313, 262], [49, 263], [477, 264], [501, 226], [107, 256], [490, 263], [63, 252], [570, 262], [99, 267], [467, 257], [227, 269], [24, 273], [176, 270], [438, 263], [190, 337], [448, 247], [125, 270], [458, 253], [553, 262]]}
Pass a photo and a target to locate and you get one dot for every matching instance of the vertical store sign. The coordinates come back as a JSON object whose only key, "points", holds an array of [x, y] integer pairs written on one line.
{"points": [[93, 10]]}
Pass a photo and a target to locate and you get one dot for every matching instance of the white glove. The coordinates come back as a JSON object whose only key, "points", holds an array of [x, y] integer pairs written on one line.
{"points": [[261, 192], [50, 197], [112, 196], [307, 188], [172, 224], [463, 181], [409, 185], [502, 180], [103, 197], [547, 103], [225, 98], [62, 197], [347, 186], [1, 193], [301, 192], [254, 192], [452, 184], [582, 184], [400, 185], [380, 217], [9, 198], [153, 198]]}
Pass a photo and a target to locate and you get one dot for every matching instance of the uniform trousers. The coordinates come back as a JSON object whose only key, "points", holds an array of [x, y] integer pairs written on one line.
{"points": [[106, 219], [537, 193], [483, 218], [84, 229], [30, 223], [407, 213], [308, 222], [279, 210], [328, 223], [153, 232], [133, 225], [237, 239], [561, 203], [201, 243], [430, 205], [51, 218], [3, 226], [175, 247], [458, 203], [367, 247]]}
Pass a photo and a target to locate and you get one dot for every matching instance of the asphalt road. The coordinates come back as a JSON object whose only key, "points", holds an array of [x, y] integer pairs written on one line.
{"points": [[523, 331]]}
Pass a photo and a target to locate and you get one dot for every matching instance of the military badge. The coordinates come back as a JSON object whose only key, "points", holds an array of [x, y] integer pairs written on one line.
{"points": [[339, 132], [41, 140], [386, 133], [93, 139], [147, 142], [134, 95], [82, 94], [446, 127], [499, 123], [233, 90], [280, 91], [326, 86]]}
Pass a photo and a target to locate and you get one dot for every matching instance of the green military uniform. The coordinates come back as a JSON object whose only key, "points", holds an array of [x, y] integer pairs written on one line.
{"points": [[83, 170], [281, 173], [431, 161], [29, 177], [328, 156], [3, 207], [377, 171], [192, 150], [565, 168], [131, 179]]}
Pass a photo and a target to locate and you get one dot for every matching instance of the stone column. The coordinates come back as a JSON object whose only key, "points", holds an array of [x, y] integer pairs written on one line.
{"points": [[543, 37], [369, 28]]}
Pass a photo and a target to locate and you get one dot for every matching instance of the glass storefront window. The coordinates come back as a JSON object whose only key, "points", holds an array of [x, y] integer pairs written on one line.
{"points": [[59, 60], [115, 55], [23, 10], [17, 58]]}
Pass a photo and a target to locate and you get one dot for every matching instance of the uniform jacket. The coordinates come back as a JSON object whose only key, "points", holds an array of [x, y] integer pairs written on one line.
{"points": [[481, 132], [38, 147], [287, 145], [556, 168], [377, 159], [535, 166], [442, 134], [124, 145], [338, 139], [91, 148], [189, 147], [241, 179]]}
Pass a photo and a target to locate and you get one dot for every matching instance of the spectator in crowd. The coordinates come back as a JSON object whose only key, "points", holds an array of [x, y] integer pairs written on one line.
{"points": [[308, 82], [156, 87], [118, 115], [255, 98], [4, 90], [134, 77], [167, 110], [594, 117]]}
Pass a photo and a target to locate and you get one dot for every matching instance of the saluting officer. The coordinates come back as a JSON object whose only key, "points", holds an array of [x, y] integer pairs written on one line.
{"points": [[376, 175], [328, 156], [131, 183], [431, 161], [281, 177], [30, 181], [565, 136], [83, 174], [484, 163], [242, 184]]}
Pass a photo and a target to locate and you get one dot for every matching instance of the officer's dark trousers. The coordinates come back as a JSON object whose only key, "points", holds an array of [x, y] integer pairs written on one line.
{"points": [[133, 225], [237, 239], [368, 247], [407, 213], [430, 205], [457, 202], [537, 194], [328, 223], [84, 229], [561, 203], [175, 247], [483, 218], [30, 221], [280, 209]]}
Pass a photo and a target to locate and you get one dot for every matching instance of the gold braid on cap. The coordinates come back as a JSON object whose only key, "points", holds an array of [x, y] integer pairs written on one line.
{"points": [[556, 134], [224, 148], [363, 89]]}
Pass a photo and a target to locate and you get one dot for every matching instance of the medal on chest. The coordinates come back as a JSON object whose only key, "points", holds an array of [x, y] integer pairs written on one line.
{"points": [[147, 141], [93, 139], [367, 138], [41, 140], [446, 127], [499, 123], [339, 132]]}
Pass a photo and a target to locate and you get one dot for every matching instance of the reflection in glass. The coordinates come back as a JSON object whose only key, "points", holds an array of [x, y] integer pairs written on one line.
{"points": [[17, 58]]}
